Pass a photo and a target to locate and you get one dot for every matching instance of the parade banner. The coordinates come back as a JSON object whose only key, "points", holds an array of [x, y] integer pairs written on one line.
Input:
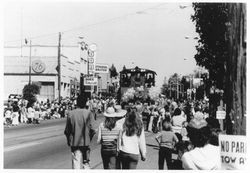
{"points": [[101, 68], [233, 152], [90, 81]]}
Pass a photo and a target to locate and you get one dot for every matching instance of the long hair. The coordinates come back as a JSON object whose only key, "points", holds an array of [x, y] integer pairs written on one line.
{"points": [[133, 124], [109, 123]]}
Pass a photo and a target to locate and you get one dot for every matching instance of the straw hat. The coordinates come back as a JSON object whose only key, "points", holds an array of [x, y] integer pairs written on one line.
{"points": [[119, 111], [197, 123], [110, 112], [199, 115], [115, 111]]}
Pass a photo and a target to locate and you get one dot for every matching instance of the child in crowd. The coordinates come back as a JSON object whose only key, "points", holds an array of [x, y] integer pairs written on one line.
{"points": [[166, 139], [36, 115], [7, 116], [56, 115], [156, 115], [184, 131]]}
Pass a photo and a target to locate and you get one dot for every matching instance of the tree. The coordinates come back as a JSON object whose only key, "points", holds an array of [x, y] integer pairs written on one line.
{"points": [[164, 89], [113, 72], [212, 50], [200, 92], [221, 50], [29, 93], [236, 70], [185, 82], [174, 86], [211, 25]]}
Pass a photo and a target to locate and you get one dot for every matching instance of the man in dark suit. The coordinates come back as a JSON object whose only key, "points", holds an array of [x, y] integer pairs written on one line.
{"points": [[79, 132]]}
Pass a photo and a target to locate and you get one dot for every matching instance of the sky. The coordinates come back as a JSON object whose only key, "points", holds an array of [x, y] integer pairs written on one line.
{"points": [[148, 35]]}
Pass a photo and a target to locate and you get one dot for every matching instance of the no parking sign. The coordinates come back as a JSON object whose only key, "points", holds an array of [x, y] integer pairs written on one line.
{"points": [[233, 150]]}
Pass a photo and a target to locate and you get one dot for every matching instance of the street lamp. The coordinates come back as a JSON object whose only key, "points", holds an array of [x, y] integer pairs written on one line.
{"points": [[194, 38]]}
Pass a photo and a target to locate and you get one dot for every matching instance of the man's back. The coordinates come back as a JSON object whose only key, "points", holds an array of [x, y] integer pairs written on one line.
{"points": [[78, 126]]}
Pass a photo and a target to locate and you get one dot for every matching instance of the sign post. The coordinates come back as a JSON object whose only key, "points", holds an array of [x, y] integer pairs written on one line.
{"points": [[221, 115]]}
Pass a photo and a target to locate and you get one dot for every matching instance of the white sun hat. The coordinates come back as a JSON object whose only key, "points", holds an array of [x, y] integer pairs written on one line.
{"points": [[119, 111], [110, 112]]}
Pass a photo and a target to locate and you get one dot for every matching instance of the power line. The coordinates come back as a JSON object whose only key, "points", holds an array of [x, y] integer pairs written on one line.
{"points": [[91, 25], [138, 12], [114, 19]]}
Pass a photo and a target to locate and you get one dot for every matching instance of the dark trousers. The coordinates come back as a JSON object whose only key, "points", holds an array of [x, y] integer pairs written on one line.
{"points": [[129, 161], [109, 160], [30, 120], [165, 154]]}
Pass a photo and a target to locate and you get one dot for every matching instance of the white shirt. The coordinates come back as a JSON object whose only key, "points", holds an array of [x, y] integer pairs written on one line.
{"points": [[133, 144], [178, 120], [120, 122], [202, 158], [31, 112]]}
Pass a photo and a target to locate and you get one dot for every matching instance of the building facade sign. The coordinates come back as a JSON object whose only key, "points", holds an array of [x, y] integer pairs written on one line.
{"points": [[91, 62], [38, 66], [101, 68], [90, 81]]}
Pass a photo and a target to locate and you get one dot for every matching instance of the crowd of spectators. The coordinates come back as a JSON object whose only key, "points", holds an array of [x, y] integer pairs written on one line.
{"points": [[184, 128], [19, 111]]}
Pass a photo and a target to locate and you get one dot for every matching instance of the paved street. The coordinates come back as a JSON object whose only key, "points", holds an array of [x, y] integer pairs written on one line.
{"points": [[43, 146]]}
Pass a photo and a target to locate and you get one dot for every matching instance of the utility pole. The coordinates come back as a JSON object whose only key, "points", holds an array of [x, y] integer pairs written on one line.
{"points": [[59, 68], [30, 65]]}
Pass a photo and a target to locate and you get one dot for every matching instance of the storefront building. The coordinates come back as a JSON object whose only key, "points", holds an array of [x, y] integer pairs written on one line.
{"points": [[39, 64]]}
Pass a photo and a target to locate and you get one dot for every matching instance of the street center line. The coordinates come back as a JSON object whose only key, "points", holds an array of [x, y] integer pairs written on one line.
{"points": [[19, 146], [50, 128]]}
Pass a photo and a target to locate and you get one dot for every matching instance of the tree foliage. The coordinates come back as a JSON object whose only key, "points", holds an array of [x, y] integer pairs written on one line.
{"points": [[164, 89], [212, 50], [174, 78], [29, 92], [185, 82], [113, 71]]}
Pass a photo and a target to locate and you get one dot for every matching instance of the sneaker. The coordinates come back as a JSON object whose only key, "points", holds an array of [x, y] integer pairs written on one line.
{"points": [[86, 166]]}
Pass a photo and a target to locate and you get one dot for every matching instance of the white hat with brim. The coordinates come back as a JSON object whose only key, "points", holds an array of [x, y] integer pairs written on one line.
{"points": [[197, 123], [119, 111], [110, 112], [114, 112]]}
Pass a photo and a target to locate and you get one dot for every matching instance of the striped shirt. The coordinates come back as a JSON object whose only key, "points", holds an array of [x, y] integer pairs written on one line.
{"points": [[108, 138]]}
